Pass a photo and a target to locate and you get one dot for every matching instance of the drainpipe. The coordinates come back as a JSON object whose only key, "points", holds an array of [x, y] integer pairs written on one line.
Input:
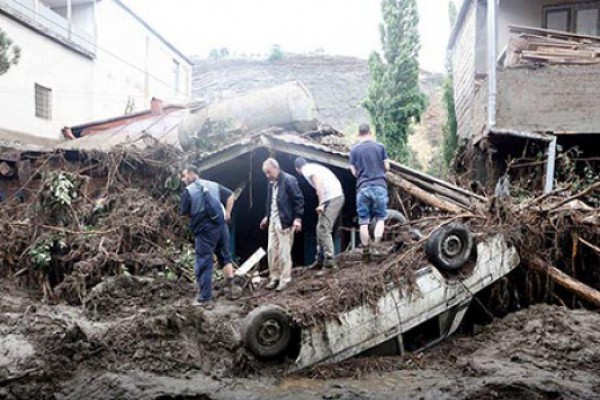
{"points": [[550, 165], [492, 6]]}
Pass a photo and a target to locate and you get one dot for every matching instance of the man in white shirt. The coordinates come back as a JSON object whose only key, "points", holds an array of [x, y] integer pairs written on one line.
{"points": [[331, 200]]}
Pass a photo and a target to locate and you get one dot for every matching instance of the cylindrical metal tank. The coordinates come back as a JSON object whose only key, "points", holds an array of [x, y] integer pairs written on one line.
{"points": [[290, 105]]}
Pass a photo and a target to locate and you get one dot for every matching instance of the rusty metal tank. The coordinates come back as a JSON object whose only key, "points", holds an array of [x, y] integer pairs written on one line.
{"points": [[290, 106]]}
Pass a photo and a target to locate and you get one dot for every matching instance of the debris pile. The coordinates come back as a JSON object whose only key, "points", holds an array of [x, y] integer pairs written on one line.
{"points": [[543, 46], [104, 214]]}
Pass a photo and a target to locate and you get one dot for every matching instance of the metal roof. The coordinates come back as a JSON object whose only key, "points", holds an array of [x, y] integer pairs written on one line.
{"points": [[135, 134]]}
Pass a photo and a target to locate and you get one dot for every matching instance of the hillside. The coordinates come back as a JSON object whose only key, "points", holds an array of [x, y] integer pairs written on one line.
{"points": [[338, 84]]}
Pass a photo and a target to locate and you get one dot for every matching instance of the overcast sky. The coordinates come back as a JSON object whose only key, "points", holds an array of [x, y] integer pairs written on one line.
{"points": [[341, 27]]}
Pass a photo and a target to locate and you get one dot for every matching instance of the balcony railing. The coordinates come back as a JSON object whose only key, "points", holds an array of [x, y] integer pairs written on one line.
{"points": [[46, 21]]}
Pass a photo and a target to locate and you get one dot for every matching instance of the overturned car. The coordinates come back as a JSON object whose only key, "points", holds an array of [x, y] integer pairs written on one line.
{"points": [[412, 314]]}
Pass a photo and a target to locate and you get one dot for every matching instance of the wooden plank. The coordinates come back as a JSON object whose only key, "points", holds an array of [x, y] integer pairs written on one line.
{"points": [[251, 262]]}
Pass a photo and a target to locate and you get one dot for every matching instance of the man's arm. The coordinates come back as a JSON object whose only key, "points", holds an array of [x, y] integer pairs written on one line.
{"points": [[386, 159], [386, 164], [353, 170], [184, 206], [228, 200], [297, 202], [318, 183]]}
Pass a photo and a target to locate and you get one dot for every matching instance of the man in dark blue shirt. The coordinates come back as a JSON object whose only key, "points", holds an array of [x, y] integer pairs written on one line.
{"points": [[369, 163], [207, 223]]}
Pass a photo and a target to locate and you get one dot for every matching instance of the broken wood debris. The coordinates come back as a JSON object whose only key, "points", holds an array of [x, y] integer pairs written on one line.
{"points": [[544, 46]]}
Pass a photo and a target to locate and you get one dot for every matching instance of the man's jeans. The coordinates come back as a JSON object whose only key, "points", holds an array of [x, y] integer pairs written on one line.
{"points": [[205, 245], [371, 203], [325, 224]]}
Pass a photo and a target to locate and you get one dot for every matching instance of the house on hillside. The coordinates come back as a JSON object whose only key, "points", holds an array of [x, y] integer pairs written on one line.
{"points": [[83, 60], [527, 72]]}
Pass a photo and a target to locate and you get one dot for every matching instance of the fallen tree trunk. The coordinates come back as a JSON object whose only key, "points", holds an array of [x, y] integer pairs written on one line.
{"points": [[582, 290], [422, 195]]}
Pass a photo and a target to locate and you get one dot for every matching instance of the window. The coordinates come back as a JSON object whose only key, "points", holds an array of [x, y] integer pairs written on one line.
{"points": [[176, 73], [582, 18], [558, 20], [586, 21], [43, 102]]}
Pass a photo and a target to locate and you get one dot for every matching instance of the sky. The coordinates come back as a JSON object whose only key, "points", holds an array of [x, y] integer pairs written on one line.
{"points": [[247, 27]]}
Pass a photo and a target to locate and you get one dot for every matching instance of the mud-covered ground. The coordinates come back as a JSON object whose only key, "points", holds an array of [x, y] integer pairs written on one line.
{"points": [[144, 339]]}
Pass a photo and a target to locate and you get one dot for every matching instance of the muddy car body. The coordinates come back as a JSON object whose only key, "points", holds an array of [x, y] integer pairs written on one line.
{"points": [[429, 309]]}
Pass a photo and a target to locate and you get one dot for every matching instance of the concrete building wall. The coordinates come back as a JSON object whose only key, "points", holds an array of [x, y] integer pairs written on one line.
{"points": [[132, 64], [562, 98], [464, 73]]}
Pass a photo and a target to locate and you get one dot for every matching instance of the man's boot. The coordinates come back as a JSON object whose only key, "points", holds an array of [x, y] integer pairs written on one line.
{"points": [[329, 265], [272, 284], [232, 290], [366, 254], [318, 264]]}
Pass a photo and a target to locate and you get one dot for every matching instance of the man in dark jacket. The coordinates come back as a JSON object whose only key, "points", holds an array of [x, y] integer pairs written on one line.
{"points": [[284, 211], [207, 223]]}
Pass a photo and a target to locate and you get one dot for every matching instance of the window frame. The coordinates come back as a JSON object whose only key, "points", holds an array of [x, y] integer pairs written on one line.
{"points": [[43, 102], [572, 9]]}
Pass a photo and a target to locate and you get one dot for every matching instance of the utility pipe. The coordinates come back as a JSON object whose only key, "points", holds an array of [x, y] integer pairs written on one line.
{"points": [[492, 6]]}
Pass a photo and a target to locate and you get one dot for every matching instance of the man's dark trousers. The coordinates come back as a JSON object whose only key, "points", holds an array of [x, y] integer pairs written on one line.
{"points": [[205, 245]]}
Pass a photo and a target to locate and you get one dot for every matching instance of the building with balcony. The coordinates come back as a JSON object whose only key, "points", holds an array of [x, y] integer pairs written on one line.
{"points": [[83, 60], [528, 71]]}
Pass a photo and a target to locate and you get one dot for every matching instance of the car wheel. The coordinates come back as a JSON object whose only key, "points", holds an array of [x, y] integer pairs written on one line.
{"points": [[393, 217], [450, 247], [267, 332]]}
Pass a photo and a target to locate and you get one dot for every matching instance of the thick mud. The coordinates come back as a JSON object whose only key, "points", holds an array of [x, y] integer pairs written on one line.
{"points": [[144, 339]]}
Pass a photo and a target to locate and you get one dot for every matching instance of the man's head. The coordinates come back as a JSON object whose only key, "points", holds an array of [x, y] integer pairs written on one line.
{"points": [[364, 131], [271, 169], [299, 163], [189, 174]]}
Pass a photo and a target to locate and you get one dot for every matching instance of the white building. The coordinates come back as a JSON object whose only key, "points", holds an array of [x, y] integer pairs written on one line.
{"points": [[83, 60]]}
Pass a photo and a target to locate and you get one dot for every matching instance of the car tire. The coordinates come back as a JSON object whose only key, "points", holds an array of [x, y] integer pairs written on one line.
{"points": [[450, 247], [392, 217], [267, 332]]}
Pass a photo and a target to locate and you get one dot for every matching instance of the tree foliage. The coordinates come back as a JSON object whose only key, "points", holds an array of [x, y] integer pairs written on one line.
{"points": [[395, 100], [450, 143], [276, 53], [9, 53], [223, 52]]}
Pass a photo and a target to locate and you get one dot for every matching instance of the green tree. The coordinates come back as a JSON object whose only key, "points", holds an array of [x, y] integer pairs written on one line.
{"points": [[9, 53], [395, 100], [450, 140], [276, 53], [223, 52]]}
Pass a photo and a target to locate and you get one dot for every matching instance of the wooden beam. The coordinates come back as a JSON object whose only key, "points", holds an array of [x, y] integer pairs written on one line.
{"points": [[422, 195], [580, 289]]}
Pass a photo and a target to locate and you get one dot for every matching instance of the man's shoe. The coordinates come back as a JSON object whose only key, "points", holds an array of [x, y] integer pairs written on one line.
{"points": [[273, 284], [330, 265], [206, 304], [366, 255], [318, 264], [282, 286], [235, 292]]}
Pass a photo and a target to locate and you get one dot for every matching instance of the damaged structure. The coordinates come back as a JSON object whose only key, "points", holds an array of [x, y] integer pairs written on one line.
{"points": [[527, 80]]}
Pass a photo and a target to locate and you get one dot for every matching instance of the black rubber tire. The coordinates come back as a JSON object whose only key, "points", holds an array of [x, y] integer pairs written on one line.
{"points": [[450, 247], [392, 217], [267, 332]]}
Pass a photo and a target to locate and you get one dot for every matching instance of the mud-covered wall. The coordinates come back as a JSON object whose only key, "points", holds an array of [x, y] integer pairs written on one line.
{"points": [[562, 98]]}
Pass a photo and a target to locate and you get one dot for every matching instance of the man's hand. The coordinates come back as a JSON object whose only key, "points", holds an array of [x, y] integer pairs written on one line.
{"points": [[297, 225], [320, 209], [263, 223], [227, 216]]}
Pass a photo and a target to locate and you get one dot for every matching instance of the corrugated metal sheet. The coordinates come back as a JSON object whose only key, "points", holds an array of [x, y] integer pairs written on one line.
{"points": [[136, 134]]}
